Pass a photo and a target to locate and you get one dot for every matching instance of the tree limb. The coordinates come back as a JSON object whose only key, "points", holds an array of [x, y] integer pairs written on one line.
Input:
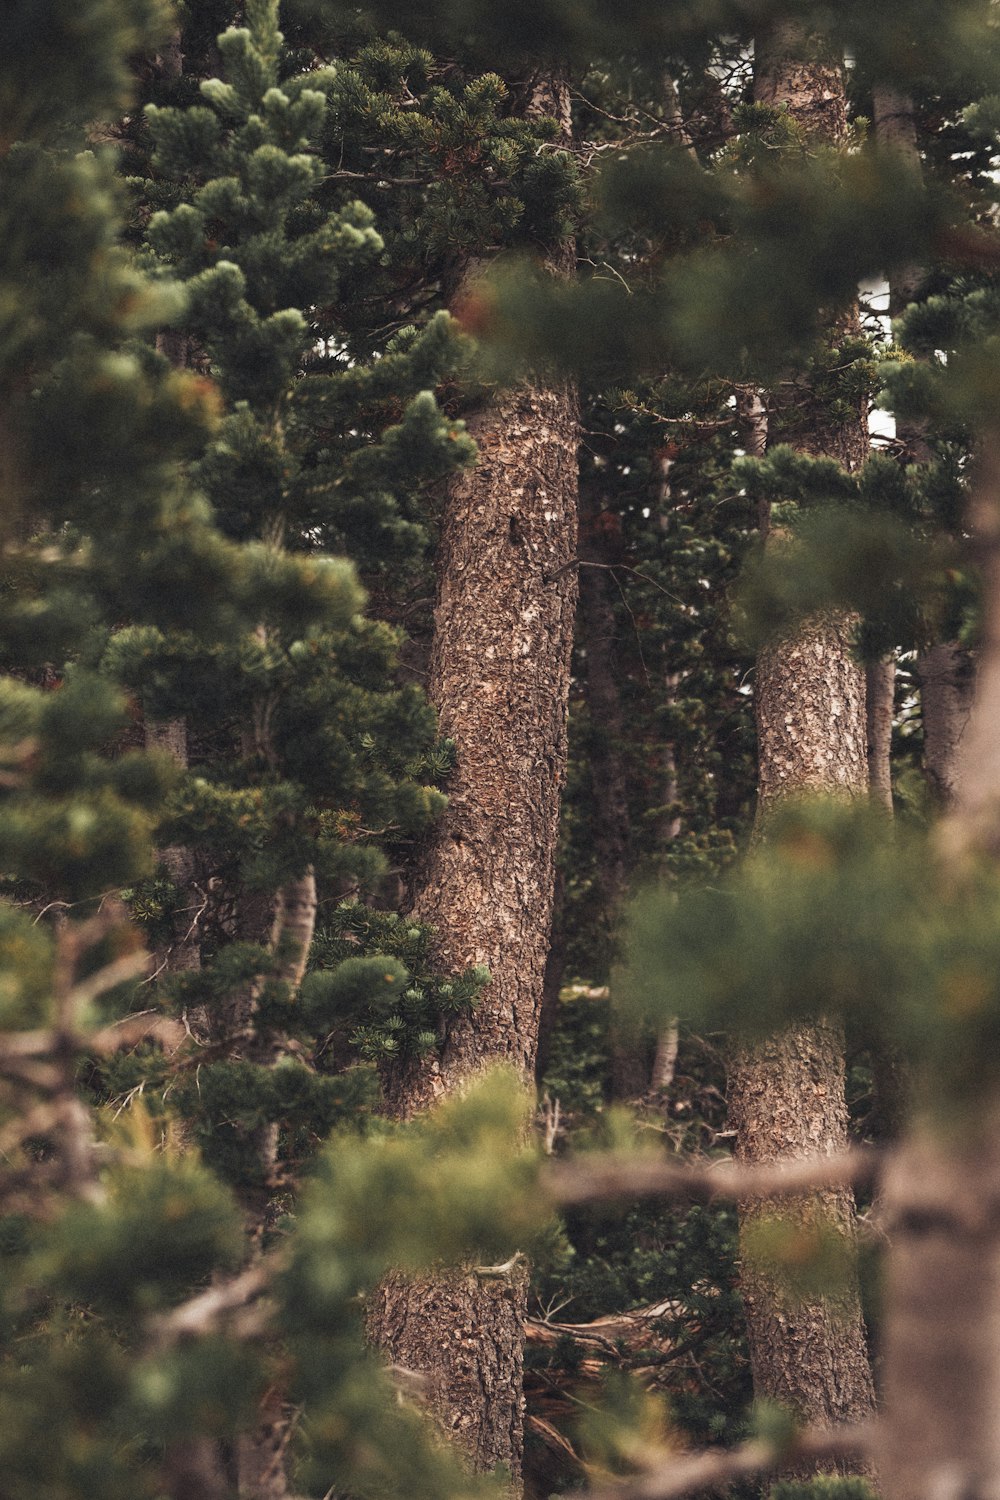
{"points": [[598, 1178], [718, 1469]]}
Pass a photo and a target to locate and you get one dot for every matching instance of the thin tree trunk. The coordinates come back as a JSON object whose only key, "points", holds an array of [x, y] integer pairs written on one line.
{"points": [[499, 677], [946, 672], [787, 1095], [608, 802], [880, 692], [184, 951]]}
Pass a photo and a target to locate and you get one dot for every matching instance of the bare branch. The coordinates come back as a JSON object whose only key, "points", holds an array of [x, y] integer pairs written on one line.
{"points": [[144, 1026], [118, 972], [601, 1177], [204, 1313], [717, 1470]]}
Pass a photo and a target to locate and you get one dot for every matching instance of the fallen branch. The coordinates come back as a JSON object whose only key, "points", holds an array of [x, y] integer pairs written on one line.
{"points": [[601, 1177], [718, 1469]]}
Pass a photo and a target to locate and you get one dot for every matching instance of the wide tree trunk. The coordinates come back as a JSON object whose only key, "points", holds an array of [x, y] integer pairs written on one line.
{"points": [[499, 677], [500, 680], [787, 1095]]}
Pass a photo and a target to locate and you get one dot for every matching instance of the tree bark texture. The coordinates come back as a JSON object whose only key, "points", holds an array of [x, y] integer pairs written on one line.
{"points": [[787, 1095], [787, 1101], [947, 676], [184, 952], [880, 692], [499, 678], [811, 710], [464, 1334]]}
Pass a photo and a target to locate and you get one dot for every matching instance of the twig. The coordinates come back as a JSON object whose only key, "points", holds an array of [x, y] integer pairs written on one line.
{"points": [[602, 1177]]}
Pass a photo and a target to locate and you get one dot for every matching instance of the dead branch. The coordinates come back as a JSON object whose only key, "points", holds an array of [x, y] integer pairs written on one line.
{"points": [[599, 1178], [145, 1026], [205, 1313], [717, 1470]]}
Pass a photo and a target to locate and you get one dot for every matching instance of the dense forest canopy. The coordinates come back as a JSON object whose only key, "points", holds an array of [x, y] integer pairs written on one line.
{"points": [[499, 749]]}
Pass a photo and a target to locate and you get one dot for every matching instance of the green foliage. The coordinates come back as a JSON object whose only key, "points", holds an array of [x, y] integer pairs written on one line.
{"points": [[391, 1006], [824, 1487], [829, 917], [160, 1230]]}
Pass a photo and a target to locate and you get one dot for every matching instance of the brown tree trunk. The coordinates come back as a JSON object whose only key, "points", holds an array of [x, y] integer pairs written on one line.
{"points": [[500, 680], [880, 691], [787, 1095], [499, 677], [941, 1348], [947, 677]]}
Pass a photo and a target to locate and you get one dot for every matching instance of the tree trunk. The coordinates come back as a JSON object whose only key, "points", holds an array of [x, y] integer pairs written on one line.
{"points": [[947, 678], [941, 1373], [880, 691], [787, 1095], [810, 1354], [499, 677], [941, 1348], [500, 680], [184, 952]]}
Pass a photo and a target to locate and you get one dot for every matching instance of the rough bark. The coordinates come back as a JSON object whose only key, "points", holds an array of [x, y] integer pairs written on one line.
{"points": [[947, 677], [464, 1334], [810, 705], [499, 677], [787, 1095], [787, 1101], [880, 690], [500, 681]]}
